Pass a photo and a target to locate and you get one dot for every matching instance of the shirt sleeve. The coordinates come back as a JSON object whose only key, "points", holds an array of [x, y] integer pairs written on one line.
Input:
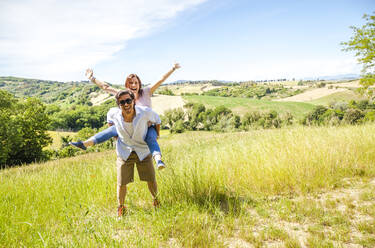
{"points": [[110, 115], [147, 91], [154, 117]]}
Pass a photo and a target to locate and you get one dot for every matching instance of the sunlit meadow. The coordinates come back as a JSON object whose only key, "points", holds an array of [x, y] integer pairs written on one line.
{"points": [[218, 190]]}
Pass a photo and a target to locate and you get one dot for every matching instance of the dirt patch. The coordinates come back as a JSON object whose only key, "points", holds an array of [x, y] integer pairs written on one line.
{"points": [[312, 95], [161, 103], [97, 99], [354, 84], [238, 243]]}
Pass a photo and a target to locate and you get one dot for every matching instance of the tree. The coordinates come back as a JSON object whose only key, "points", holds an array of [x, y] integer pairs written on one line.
{"points": [[23, 126], [363, 44]]}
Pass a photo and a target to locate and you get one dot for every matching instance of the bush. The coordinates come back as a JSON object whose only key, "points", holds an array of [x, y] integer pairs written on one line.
{"points": [[370, 116], [315, 117], [178, 127], [165, 91], [23, 130], [353, 116]]}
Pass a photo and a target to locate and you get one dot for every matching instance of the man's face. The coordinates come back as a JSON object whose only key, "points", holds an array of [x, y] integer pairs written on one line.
{"points": [[126, 103]]}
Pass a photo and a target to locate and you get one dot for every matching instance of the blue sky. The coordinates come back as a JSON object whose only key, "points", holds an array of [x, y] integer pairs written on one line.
{"points": [[224, 40]]}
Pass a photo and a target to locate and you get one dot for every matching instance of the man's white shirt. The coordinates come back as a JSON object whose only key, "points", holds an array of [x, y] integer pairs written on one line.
{"points": [[132, 140]]}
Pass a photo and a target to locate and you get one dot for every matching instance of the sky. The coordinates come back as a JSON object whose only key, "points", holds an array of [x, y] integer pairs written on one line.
{"points": [[233, 40]]}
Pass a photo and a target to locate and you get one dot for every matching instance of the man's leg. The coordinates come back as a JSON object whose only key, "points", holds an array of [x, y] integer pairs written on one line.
{"points": [[153, 187], [121, 193], [146, 173], [125, 175]]}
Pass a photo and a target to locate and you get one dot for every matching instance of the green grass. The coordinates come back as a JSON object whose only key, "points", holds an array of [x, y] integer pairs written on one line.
{"points": [[344, 96], [243, 105], [261, 187]]}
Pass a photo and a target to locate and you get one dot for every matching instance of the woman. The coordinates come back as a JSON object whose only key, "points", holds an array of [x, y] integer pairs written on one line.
{"points": [[143, 98]]}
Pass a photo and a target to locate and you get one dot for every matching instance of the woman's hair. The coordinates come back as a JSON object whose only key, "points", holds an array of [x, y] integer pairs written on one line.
{"points": [[124, 92], [130, 77]]}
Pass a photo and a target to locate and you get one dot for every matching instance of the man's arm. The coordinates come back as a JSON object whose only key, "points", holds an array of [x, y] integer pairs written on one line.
{"points": [[157, 127], [104, 86], [158, 83]]}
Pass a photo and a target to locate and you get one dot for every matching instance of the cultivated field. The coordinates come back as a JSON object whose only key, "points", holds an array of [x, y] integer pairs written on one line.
{"points": [[190, 88], [294, 187], [243, 105], [312, 94], [344, 96]]}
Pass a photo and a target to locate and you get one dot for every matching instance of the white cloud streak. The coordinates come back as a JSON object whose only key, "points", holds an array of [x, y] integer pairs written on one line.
{"points": [[289, 69], [58, 39]]}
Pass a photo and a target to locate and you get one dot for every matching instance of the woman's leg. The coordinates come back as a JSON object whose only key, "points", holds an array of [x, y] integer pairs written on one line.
{"points": [[154, 146], [104, 135], [97, 138]]}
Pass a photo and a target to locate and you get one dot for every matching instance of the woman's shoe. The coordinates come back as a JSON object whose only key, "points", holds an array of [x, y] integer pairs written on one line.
{"points": [[79, 144]]}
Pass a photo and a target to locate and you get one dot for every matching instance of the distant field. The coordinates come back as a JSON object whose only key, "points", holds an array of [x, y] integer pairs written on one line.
{"points": [[189, 88], [344, 96], [161, 103], [292, 187], [244, 105]]}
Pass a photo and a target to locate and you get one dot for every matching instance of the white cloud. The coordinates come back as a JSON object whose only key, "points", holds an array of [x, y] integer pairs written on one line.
{"points": [[274, 69], [58, 39]]}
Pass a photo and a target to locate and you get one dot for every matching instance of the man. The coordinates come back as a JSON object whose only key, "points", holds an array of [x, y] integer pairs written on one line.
{"points": [[131, 123]]}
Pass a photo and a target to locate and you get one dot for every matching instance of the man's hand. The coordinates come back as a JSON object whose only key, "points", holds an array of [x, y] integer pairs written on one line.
{"points": [[89, 73]]}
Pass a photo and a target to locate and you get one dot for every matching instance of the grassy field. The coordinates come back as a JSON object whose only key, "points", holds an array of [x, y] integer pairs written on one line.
{"points": [[243, 105], [56, 138], [295, 187]]}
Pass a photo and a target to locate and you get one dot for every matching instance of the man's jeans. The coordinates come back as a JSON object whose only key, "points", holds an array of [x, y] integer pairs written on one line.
{"points": [[111, 132]]}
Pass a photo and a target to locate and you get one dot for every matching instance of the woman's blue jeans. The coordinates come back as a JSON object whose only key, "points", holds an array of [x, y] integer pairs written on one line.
{"points": [[111, 132]]}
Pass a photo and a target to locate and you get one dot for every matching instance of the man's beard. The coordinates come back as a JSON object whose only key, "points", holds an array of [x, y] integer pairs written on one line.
{"points": [[128, 110]]}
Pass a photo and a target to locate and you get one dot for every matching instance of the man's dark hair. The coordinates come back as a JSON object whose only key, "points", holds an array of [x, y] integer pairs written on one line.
{"points": [[124, 92]]}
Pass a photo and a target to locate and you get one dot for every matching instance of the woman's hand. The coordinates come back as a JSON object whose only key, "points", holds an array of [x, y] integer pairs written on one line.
{"points": [[89, 73], [176, 66]]}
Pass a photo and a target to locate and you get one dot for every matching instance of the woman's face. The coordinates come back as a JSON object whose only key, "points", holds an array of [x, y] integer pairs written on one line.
{"points": [[134, 85]]}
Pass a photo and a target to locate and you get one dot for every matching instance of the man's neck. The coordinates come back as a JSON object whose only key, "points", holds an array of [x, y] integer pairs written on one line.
{"points": [[128, 116]]}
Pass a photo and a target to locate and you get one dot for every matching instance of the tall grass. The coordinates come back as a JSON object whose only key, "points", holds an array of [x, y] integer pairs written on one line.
{"points": [[271, 162], [211, 180]]}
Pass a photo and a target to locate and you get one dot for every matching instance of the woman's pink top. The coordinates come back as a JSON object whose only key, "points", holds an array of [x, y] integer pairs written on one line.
{"points": [[145, 99]]}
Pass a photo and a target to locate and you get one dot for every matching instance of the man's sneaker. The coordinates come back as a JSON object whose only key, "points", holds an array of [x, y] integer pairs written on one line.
{"points": [[160, 165], [121, 210], [79, 144], [156, 203]]}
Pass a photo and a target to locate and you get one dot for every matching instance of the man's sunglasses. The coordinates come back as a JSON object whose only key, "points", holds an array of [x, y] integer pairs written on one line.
{"points": [[127, 101]]}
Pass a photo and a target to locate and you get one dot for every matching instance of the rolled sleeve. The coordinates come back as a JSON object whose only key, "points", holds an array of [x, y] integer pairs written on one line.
{"points": [[154, 117]]}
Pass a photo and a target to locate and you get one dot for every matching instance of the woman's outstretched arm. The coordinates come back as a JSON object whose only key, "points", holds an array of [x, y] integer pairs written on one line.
{"points": [[104, 86], [157, 84]]}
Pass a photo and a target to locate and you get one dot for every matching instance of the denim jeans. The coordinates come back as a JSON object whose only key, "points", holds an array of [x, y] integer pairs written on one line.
{"points": [[111, 132]]}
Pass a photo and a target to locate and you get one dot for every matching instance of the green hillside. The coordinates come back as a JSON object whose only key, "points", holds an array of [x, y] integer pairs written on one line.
{"points": [[243, 105], [299, 187], [65, 93]]}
